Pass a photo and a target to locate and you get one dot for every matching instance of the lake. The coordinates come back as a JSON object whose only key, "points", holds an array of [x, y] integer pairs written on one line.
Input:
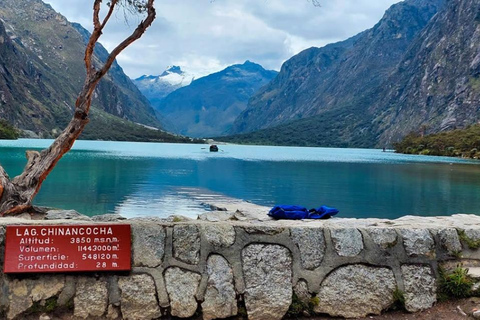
{"points": [[145, 179]]}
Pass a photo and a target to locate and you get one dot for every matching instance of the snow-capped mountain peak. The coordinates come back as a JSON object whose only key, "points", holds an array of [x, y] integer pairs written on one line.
{"points": [[158, 87], [172, 69]]}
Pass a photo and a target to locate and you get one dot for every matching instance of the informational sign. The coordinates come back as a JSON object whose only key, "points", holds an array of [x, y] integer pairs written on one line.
{"points": [[67, 248]]}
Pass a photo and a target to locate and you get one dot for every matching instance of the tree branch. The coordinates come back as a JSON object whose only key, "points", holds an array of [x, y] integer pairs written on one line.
{"points": [[109, 14], [96, 14], [7, 190], [97, 32], [136, 34]]}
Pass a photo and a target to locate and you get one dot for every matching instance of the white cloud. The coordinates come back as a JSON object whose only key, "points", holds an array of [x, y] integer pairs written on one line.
{"points": [[204, 36]]}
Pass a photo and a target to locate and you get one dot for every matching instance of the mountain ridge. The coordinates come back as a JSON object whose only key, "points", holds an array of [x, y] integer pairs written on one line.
{"points": [[42, 71], [209, 105], [339, 76], [441, 77]]}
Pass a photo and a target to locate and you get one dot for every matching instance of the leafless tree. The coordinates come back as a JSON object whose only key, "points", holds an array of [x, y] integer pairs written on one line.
{"points": [[17, 194]]}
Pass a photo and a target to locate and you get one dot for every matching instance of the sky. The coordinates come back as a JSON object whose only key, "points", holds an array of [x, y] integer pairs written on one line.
{"points": [[206, 36]]}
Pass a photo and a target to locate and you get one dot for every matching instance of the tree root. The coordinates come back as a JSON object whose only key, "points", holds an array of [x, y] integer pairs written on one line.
{"points": [[17, 210]]}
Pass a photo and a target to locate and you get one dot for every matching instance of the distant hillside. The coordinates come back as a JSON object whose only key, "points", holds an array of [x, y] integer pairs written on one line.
{"points": [[436, 86], [155, 88], [377, 86], [209, 105], [319, 80], [341, 128], [42, 70]]}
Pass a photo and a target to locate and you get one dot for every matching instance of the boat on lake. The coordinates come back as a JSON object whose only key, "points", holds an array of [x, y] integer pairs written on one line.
{"points": [[213, 148]]}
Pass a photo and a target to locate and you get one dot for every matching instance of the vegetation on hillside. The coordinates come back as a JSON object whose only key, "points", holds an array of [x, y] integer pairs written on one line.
{"points": [[325, 130], [7, 131], [105, 126], [457, 143]]}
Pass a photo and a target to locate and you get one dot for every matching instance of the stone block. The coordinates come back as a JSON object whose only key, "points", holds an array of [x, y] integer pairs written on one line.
{"points": [[384, 237], [220, 297], [46, 286], [186, 243], [24, 292], [356, 291], [418, 242], [311, 243], [420, 287], [474, 272], [449, 240], [91, 298], [2, 235], [219, 235], [182, 287], [108, 217], [263, 230], [267, 271], [68, 291], [66, 214], [216, 216], [19, 298], [473, 234], [348, 242], [138, 297], [148, 244], [113, 312]]}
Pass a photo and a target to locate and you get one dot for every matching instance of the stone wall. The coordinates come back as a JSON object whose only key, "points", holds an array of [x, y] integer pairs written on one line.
{"points": [[341, 267]]}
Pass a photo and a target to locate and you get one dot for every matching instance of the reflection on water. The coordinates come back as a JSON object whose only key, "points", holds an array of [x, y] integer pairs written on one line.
{"points": [[136, 179]]}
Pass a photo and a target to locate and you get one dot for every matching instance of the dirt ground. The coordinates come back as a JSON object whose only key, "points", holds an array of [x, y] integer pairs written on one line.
{"points": [[449, 310]]}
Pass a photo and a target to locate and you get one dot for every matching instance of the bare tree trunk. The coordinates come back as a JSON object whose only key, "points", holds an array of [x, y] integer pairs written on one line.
{"points": [[17, 194]]}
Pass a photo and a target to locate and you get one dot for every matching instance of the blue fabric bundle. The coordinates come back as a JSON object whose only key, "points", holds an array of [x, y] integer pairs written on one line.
{"points": [[323, 212], [298, 212], [288, 212]]}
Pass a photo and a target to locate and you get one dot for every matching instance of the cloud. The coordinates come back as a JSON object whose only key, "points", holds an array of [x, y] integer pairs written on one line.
{"points": [[204, 36]]}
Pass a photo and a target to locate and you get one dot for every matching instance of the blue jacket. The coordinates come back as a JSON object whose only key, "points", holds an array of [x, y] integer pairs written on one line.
{"points": [[299, 212]]}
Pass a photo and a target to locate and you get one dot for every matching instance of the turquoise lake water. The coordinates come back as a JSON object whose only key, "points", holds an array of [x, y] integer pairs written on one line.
{"points": [[143, 179]]}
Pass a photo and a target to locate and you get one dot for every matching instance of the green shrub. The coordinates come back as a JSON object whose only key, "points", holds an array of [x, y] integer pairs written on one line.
{"points": [[398, 300], [455, 143], [37, 307], [242, 312], [7, 131], [177, 219], [299, 307], [454, 284], [472, 244], [425, 152]]}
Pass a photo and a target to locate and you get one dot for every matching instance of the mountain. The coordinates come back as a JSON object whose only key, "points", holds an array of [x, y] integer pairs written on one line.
{"points": [[209, 105], [155, 88], [436, 87], [28, 99], [333, 86], [42, 71]]}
